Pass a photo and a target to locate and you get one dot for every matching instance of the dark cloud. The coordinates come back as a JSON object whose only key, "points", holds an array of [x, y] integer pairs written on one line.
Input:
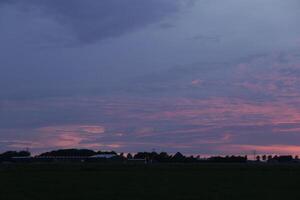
{"points": [[92, 20]]}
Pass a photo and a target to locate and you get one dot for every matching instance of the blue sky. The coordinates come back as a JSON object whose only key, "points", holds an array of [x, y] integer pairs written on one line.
{"points": [[197, 76]]}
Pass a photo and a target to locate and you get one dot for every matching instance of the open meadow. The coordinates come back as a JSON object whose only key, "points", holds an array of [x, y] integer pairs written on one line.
{"points": [[198, 181]]}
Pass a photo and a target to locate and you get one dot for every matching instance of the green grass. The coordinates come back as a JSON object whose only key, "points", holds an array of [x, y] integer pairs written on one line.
{"points": [[140, 182]]}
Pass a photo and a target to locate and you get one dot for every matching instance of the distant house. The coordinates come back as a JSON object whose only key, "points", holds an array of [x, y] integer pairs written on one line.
{"points": [[60, 158], [107, 156], [22, 159]]}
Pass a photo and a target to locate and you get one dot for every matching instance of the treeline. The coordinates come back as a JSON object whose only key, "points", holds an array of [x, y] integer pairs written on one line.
{"points": [[6, 156], [163, 157], [148, 157], [276, 158], [76, 152], [91, 155], [86, 155]]}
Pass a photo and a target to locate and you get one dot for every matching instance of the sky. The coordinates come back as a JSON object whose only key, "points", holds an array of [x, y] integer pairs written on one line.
{"points": [[207, 77]]}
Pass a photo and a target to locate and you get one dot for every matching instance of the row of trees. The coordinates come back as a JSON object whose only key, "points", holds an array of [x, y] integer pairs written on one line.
{"points": [[152, 157], [271, 158], [6, 156], [75, 152]]}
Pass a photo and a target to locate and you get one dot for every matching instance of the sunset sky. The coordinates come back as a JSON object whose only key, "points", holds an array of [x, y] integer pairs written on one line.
{"points": [[197, 76]]}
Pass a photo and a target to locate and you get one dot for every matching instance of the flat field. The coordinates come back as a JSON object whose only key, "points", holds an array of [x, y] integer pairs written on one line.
{"points": [[143, 182]]}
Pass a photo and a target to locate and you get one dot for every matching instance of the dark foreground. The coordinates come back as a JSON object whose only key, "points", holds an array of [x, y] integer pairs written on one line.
{"points": [[93, 181]]}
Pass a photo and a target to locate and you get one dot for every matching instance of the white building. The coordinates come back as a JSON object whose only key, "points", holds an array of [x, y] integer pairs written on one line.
{"points": [[103, 156]]}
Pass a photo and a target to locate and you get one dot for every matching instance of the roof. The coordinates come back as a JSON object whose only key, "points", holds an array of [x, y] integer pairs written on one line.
{"points": [[103, 156]]}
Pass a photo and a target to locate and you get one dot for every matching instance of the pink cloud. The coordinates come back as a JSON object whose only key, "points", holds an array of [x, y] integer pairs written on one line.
{"points": [[85, 129], [265, 149], [222, 111], [66, 136], [197, 82], [63, 136]]}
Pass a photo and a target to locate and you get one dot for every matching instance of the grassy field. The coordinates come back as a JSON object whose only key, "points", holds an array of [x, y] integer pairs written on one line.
{"points": [[93, 181]]}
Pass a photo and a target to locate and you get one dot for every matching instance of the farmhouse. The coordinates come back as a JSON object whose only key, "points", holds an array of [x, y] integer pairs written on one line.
{"points": [[107, 156]]}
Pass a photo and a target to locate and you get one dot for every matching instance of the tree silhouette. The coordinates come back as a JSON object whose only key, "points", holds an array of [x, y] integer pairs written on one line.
{"points": [[8, 155], [69, 152], [258, 158], [178, 157], [129, 156]]}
